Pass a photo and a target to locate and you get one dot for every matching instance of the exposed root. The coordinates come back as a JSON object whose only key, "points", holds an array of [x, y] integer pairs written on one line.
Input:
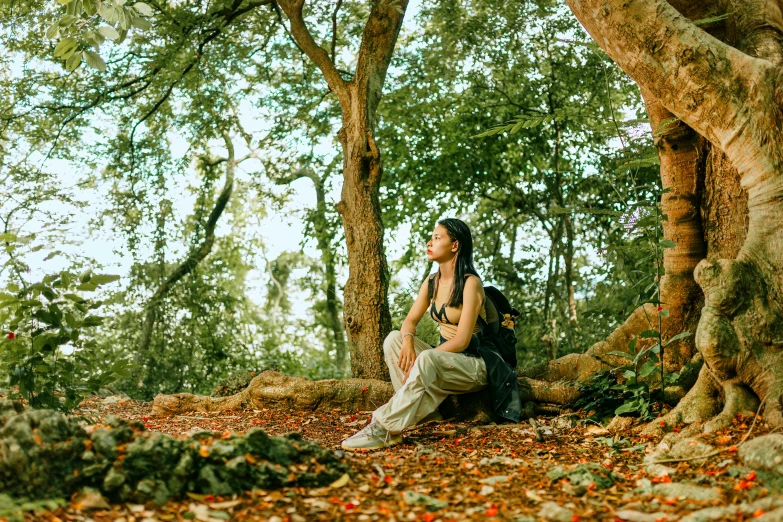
{"points": [[700, 404], [293, 392], [738, 398], [581, 366]]}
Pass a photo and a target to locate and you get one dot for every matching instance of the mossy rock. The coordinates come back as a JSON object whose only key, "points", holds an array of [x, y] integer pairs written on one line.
{"points": [[45, 454]]}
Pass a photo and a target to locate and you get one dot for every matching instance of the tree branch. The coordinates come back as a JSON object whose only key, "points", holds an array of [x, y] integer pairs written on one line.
{"points": [[701, 80], [319, 55], [197, 254], [334, 30], [378, 41]]}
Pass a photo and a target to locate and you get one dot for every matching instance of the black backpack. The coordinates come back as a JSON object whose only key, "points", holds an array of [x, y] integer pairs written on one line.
{"points": [[499, 332]]}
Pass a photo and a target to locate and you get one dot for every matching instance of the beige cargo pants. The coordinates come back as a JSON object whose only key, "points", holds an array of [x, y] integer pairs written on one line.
{"points": [[435, 375]]}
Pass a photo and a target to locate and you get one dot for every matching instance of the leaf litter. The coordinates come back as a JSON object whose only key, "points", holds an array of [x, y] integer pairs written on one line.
{"points": [[451, 471]]}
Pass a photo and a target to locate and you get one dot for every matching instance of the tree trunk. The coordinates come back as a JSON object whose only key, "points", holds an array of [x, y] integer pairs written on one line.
{"points": [[731, 94], [365, 309], [324, 237], [365, 305]]}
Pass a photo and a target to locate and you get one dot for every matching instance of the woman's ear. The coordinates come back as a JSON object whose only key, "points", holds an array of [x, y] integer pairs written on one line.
{"points": [[455, 246]]}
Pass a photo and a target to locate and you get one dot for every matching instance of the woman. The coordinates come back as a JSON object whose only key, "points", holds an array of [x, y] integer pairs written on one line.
{"points": [[424, 376]]}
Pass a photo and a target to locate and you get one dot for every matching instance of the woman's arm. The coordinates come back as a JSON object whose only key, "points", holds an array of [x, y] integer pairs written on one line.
{"points": [[472, 301], [417, 311]]}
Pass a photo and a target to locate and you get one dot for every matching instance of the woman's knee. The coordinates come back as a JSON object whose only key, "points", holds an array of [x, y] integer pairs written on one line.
{"points": [[391, 341]]}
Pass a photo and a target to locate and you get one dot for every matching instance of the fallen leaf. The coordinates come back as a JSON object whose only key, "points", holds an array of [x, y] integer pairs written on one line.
{"points": [[340, 482], [225, 505]]}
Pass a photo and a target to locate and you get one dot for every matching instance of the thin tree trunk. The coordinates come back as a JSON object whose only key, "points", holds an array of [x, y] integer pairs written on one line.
{"points": [[324, 238], [568, 258], [196, 255]]}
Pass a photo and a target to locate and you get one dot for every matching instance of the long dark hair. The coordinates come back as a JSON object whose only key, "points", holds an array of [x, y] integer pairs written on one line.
{"points": [[458, 231]]}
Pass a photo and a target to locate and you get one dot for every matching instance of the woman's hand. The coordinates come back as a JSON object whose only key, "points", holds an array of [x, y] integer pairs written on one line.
{"points": [[407, 356]]}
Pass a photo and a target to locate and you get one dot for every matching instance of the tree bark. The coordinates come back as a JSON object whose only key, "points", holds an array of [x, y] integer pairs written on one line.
{"points": [[731, 96], [365, 310]]}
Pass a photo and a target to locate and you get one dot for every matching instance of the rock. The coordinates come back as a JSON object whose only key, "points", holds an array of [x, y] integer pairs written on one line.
{"points": [[412, 497], [564, 422], [772, 507], [90, 499], [494, 480], [638, 516], [620, 424], [690, 448], [771, 516], [554, 512], [763, 453], [687, 491], [597, 431], [584, 475]]}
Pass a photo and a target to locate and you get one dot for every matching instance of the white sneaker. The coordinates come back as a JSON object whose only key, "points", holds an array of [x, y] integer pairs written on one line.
{"points": [[372, 436]]}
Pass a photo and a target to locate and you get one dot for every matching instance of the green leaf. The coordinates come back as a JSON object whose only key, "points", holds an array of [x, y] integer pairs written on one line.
{"points": [[70, 320], [109, 32], [91, 7], [649, 334], [681, 335], [712, 19], [647, 369], [70, 65], [143, 9], [628, 407], [75, 298], [665, 243], [94, 61], [67, 20], [103, 279], [53, 30], [64, 2], [87, 287], [141, 24], [92, 320], [50, 255], [616, 353], [664, 313], [64, 46], [108, 13]]}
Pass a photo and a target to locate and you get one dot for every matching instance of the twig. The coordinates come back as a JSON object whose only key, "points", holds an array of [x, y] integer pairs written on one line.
{"points": [[539, 437]]}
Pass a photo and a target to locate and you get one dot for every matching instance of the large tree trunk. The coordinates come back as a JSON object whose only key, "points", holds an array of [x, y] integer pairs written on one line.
{"points": [[365, 305], [730, 93], [365, 310]]}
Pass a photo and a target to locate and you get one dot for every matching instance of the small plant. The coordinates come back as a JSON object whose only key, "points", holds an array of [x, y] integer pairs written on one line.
{"points": [[46, 350]]}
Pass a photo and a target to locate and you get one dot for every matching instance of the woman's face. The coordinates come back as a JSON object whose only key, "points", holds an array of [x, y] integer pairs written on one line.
{"points": [[440, 247]]}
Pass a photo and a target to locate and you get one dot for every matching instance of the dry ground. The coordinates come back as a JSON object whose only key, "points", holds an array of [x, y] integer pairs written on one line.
{"points": [[443, 472]]}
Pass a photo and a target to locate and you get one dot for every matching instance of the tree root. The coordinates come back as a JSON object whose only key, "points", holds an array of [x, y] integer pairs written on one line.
{"points": [[298, 393], [581, 366], [292, 392]]}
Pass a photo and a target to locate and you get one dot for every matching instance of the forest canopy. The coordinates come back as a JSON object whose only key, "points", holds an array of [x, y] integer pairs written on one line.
{"points": [[528, 132]]}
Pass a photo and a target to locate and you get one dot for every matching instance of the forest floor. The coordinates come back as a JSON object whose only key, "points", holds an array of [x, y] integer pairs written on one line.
{"points": [[455, 471]]}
